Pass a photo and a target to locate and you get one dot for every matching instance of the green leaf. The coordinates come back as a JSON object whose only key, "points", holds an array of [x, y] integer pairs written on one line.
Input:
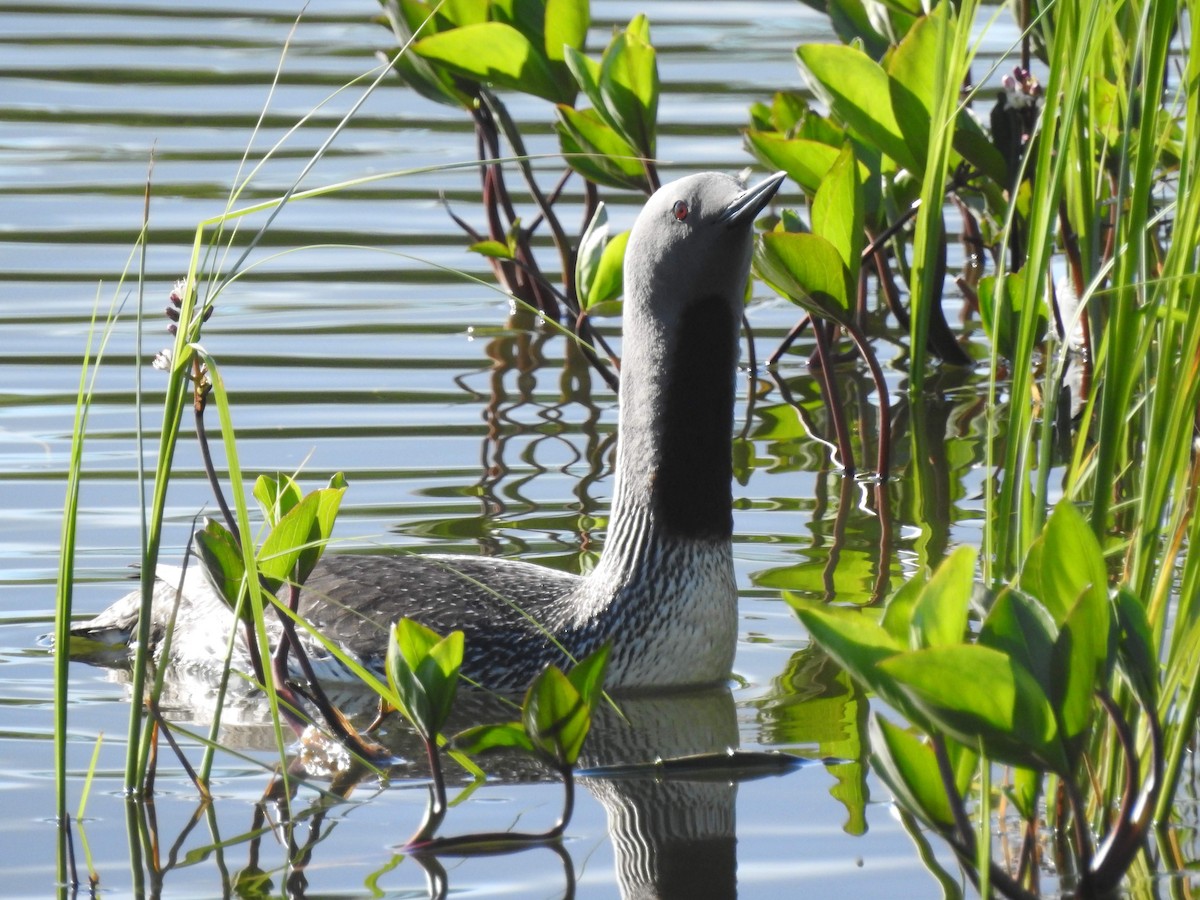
{"points": [[496, 53], [861, 647], [897, 615], [984, 699], [423, 668], [1018, 626], [1139, 662], [805, 161], [566, 26], [629, 86], [286, 541], [587, 675], [940, 613], [595, 150], [410, 696], [276, 495], [591, 248], [551, 26], [608, 281], [837, 210], [493, 249], [555, 717], [329, 502], [222, 560], [483, 738], [587, 77], [912, 81], [858, 93], [1065, 561], [909, 768], [1079, 665], [1025, 791], [1000, 311], [808, 270]]}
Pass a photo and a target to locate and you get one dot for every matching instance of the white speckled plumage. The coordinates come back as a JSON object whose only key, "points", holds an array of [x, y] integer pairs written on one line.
{"points": [[663, 592]]}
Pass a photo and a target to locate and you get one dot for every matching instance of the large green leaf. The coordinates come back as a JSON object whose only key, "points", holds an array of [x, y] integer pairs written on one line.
{"points": [[629, 85], [1065, 561], [912, 81], [805, 161], [939, 615], [984, 699], [1018, 626], [808, 270], [858, 92], [551, 26], [861, 647], [837, 210], [566, 26], [497, 53], [1079, 664]]}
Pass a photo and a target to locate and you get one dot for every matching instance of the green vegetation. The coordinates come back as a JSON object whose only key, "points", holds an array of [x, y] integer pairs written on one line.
{"points": [[1067, 667]]}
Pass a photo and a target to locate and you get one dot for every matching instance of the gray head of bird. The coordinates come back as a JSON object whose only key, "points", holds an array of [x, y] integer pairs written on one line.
{"points": [[694, 238]]}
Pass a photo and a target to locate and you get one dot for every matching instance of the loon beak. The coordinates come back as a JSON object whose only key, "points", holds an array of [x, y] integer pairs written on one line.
{"points": [[743, 209]]}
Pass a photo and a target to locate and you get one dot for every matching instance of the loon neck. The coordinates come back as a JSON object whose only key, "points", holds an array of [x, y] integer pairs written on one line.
{"points": [[674, 458]]}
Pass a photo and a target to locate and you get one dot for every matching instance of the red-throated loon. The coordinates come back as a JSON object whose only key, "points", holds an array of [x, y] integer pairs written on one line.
{"points": [[663, 592]]}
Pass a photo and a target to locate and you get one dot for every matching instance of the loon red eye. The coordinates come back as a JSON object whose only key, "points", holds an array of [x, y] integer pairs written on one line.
{"points": [[680, 210]]}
